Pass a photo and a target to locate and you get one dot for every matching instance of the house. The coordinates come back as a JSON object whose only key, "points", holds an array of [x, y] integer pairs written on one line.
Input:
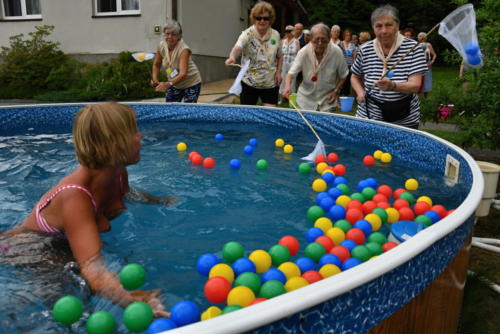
{"points": [[97, 30]]}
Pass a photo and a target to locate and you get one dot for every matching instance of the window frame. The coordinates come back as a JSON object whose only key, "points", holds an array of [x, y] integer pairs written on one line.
{"points": [[24, 16], [118, 12]]}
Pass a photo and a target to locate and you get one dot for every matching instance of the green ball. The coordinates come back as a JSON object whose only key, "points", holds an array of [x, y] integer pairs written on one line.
{"points": [[272, 289], [279, 254], [343, 224], [361, 253], [381, 213], [374, 247], [358, 197], [368, 192], [138, 316], [262, 164], [344, 188], [315, 251], [315, 212], [101, 322], [231, 308], [67, 310], [408, 196], [250, 280], [426, 220], [132, 276], [377, 237], [305, 168], [232, 251]]}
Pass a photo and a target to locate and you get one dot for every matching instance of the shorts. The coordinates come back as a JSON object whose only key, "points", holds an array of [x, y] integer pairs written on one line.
{"points": [[189, 95], [249, 95]]}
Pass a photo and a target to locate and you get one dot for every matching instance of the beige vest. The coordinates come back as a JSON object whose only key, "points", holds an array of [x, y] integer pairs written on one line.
{"points": [[171, 61]]}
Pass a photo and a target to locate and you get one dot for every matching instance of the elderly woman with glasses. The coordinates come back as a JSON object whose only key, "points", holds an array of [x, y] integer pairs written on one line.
{"points": [[184, 79], [289, 47], [260, 44], [324, 71]]}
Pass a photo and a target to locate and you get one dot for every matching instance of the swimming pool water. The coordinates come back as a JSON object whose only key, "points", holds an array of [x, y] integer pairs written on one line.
{"points": [[214, 206]]}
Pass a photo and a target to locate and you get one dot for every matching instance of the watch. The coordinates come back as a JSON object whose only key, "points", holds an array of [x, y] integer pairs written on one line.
{"points": [[170, 83]]}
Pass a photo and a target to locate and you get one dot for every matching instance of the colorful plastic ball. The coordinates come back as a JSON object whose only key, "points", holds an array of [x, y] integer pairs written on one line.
{"points": [[354, 204], [319, 185], [290, 269], [335, 192], [377, 237], [101, 322], [392, 215], [181, 147], [67, 310], [209, 162], [161, 325], [272, 289], [343, 200], [206, 262], [328, 177], [132, 276], [375, 220], [390, 74], [356, 235], [332, 157], [369, 206], [192, 154], [211, 312], [304, 168], [262, 164], [372, 182], [362, 184], [325, 241], [349, 244], [425, 199], [319, 158], [258, 300], [314, 251], [421, 207], [341, 180], [385, 190], [324, 224], [216, 289], [361, 252], [273, 274], [305, 264], [243, 265], [232, 251], [339, 169], [291, 243], [250, 280], [279, 254], [364, 226], [253, 142], [336, 234], [388, 246], [320, 196], [353, 215], [374, 247], [279, 142], [314, 212], [295, 283], [326, 203], [398, 192], [231, 308], [378, 197], [184, 313], [343, 225], [138, 316], [343, 187], [248, 149], [433, 215], [406, 214], [377, 154], [383, 205], [219, 137], [197, 159], [368, 192], [358, 197], [381, 213], [341, 252], [386, 157], [350, 263], [337, 212], [262, 260], [329, 270], [235, 164], [411, 184], [400, 203], [329, 259], [407, 196], [312, 276], [240, 295], [288, 149], [368, 160], [426, 220], [441, 210], [222, 270]]}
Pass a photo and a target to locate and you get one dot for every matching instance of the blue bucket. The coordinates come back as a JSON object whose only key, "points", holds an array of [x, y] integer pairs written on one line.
{"points": [[346, 103]]}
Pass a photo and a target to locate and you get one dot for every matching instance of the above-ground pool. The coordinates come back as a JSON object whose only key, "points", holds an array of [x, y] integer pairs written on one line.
{"points": [[216, 205]]}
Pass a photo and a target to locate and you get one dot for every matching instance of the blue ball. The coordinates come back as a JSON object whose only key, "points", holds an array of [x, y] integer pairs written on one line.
{"points": [[433, 215], [313, 233], [372, 182], [339, 180], [390, 74], [305, 264], [335, 192], [364, 226], [328, 177], [243, 265], [474, 60], [349, 263], [348, 52], [349, 244], [320, 196], [206, 262], [337, 212], [471, 48], [253, 142], [185, 313], [248, 150], [273, 274], [160, 325], [362, 185], [330, 259], [326, 203], [235, 164], [219, 137]]}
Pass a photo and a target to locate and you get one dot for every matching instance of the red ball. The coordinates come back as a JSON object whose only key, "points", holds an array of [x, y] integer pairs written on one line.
{"points": [[400, 203], [216, 289], [450, 212], [356, 235], [341, 251], [319, 158], [406, 213], [339, 170], [353, 215], [388, 246], [383, 205], [209, 163], [421, 207], [325, 241], [332, 157], [191, 154], [258, 300], [384, 189], [354, 204], [379, 198], [312, 276], [369, 206], [197, 159], [398, 192], [368, 160], [441, 210], [291, 243]]}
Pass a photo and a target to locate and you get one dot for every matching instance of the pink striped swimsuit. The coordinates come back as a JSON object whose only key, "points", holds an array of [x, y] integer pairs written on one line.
{"points": [[42, 223]]}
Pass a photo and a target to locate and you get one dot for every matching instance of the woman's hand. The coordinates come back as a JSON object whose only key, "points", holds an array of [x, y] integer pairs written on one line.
{"points": [[286, 92], [150, 297], [277, 78], [154, 82], [361, 98], [162, 87], [230, 61], [384, 84], [167, 201], [331, 97]]}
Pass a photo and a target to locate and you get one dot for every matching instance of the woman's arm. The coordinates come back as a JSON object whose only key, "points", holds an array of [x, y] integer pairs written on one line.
{"points": [[358, 86], [433, 55], [156, 68], [235, 53], [409, 87]]}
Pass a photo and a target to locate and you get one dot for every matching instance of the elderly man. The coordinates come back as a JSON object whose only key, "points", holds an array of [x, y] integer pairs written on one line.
{"points": [[299, 29]]}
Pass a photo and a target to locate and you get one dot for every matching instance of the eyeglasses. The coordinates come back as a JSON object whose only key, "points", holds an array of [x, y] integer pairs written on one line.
{"points": [[320, 40], [262, 18], [170, 34]]}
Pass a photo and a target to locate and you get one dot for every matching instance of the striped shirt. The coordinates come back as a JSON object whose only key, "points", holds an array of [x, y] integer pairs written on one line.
{"points": [[369, 66]]}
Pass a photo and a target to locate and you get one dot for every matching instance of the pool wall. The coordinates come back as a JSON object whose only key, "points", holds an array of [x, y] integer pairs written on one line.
{"points": [[353, 301]]}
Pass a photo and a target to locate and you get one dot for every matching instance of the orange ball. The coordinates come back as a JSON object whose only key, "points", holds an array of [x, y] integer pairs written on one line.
{"points": [[368, 160], [441, 210], [353, 215], [383, 205], [384, 189], [354, 204], [379, 198], [339, 170], [209, 162], [319, 158], [405, 213], [312, 276], [400, 203], [369, 206], [197, 159], [332, 157], [421, 207], [398, 192], [325, 242]]}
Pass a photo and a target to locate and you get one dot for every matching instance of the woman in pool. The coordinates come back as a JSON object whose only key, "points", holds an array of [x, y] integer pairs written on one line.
{"points": [[82, 204]]}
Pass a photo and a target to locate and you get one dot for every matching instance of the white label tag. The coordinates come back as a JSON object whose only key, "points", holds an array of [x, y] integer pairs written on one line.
{"points": [[174, 73]]}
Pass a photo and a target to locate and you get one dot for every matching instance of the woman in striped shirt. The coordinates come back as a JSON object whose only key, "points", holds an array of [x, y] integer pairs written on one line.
{"points": [[393, 98]]}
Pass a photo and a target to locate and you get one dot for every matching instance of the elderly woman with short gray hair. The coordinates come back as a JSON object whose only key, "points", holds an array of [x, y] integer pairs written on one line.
{"points": [[174, 55]]}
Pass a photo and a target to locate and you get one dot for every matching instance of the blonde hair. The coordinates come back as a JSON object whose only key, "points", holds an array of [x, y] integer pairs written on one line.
{"points": [[102, 134], [364, 37], [262, 7]]}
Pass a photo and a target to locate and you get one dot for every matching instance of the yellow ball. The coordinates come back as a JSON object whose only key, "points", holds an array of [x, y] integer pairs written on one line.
{"points": [[336, 234], [279, 142], [377, 154], [240, 295], [181, 147], [411, 184], [222, 270], [386, 157], [290, 269], [392, 215], [288, 149], [329, 270], [426, 199], [374, 220], [295, 283], [319, 185], [261, 259], [211, 312], [323, 223], [327, 171], [320, 168], [343, 200]]}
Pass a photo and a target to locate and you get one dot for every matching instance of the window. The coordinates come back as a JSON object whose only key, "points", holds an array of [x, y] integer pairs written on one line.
{"points": [[21, 9], [116, 7]]}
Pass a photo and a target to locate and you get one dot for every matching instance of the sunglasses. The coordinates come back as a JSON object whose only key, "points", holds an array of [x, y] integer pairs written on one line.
{"points": [[262, 18]]}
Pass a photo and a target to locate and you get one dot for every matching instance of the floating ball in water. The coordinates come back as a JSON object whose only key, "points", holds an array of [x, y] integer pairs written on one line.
{"points": [[181, 147], [185, 312], [392, 215], [326, 203], [350, 263], [262, 260], [235, 164], [441, 210], [339, 169], [364, 226], [323, 223], [329, 259], [67, 310], [101, 322], [314, 212], [433, 215], [332, 157], [388, 246], [356, 198], [381, 213], [290, 269], [138, 316], [328, 177], [314, 251], [385, 190], [386, 157], [211, 312], [329, 270], [232, 251], [305, 168], [361, 252], [368, 192], [240, 295], [273, 274], [374, 248], [313, 233], [222, 270], [209, 162], [374, 220], [243, 265], [325, 241], [335, 192], [279, 142], [368, 160], [219, 137], [305, 264], [197, 159], [321, 167], [312, 276], [279, 254], [400, 203], [368, 207], [342, 252], [291, 243], [288, 149], [262, 164], [248, 149], [353, 215], [253, 142], [132, 276], [426, 220], [337, 212], [377, 154], [349, 244], [406, 214], [425, 199], [356, 235], [160, 325], [377, 237], [216, 289], [295, 283], [343, 200], [205, 263], [272, 289], [407, 196], [336, 234], [343, 225], [231, 308], [319, 158], [340, 180], [191, 154], [250, 280], [411, 184]]}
